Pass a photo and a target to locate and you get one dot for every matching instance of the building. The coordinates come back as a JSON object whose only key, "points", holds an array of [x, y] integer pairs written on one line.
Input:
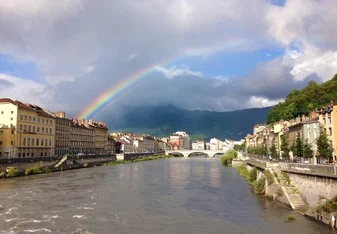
{"points": [[34, 129], [81, 138], [198, 145], [100, 135], [159, 145], [181, 139], [327, 117], [216, 144], [7, 138], [62, 133], [110, 146], [292, 133], [311, 133]]}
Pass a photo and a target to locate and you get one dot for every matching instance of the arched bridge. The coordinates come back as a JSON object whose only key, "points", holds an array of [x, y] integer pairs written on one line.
{"points": [[187, 153]]}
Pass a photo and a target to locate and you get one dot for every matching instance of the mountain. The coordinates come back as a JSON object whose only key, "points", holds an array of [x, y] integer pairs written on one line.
{"points": [[164, 120]]}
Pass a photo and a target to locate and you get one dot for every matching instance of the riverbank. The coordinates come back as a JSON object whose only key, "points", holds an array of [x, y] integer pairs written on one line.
{"points": [[11, 172], [276, 185]]}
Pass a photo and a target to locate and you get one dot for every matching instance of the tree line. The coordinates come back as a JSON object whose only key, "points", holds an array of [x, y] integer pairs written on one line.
{"points": [[299, 102], [299, 147]]}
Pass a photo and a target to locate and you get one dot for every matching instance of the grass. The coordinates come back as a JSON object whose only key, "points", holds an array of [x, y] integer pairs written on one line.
{"points": [[13, 172], [286, 177], [142, 159], [228, 157], [270, 177], [279, 192]]}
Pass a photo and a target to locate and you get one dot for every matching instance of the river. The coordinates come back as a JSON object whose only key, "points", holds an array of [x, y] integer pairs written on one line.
{"points": [[178, 195]]}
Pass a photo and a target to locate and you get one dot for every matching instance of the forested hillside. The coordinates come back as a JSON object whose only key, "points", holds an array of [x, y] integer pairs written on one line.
{"points": [[303, 101]]}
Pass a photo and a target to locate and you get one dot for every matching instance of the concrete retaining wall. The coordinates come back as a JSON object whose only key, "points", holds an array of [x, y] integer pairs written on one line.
{"points": [[323, 170], [313, 187]]}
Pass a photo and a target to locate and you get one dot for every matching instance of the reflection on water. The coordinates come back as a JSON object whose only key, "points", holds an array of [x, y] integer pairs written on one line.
{"points": [[179, 195]]}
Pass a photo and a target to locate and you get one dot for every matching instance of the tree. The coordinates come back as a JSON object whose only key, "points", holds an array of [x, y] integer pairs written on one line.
{"points": [[323, 147], [273, 152], [285, 146], [307, 151], [299, 146]]}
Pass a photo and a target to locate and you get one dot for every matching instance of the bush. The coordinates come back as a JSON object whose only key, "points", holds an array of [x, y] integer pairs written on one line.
{"points": [[291, 217], [259, 186], [228, 157], [252, 175], [330, 206], [13, 172], [269, 176], [33, 170]]}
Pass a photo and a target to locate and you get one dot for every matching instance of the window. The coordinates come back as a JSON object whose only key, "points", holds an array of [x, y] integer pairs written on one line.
{"points": [[2, 112], [46, 142], [32, 154], [33, 141], [33, 128], [47, 130], [41, 142], [12, 131], [25, 117], [12, 143], [20, 127], [0, 142], [23, 155], [27, 154], [38, 129], [49, 142], [42, 120], [42, 129], [50, 131], [324, 121], [28, 141], [37, 142], [329, 120], [34, 119], [19, 155], [24, 141], [330, 131], [11, 118], [12, 112], [25, 127], [38, 120], [30, 118], [29, 128], [21, 117], [47, 121]]}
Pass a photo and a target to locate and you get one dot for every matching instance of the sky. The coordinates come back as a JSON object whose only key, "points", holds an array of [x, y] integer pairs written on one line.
{"points": [[218, 55]]}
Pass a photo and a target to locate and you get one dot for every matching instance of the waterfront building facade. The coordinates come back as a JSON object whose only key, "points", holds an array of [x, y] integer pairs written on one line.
{"points": [[34, 129]]}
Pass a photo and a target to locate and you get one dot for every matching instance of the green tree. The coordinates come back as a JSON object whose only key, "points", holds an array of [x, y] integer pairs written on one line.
{"points": [[307, 151], [285, 146], [298, 146], [323, 147], [273, 152]]}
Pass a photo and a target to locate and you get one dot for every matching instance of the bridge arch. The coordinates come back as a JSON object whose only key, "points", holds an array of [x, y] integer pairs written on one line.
{"points": [[176, 154], [218, 154], [198, 152]]}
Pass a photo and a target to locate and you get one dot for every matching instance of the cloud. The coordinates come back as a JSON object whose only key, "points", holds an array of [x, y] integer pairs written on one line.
{"points": [[174, 71], [21, 89], [82, 48]]}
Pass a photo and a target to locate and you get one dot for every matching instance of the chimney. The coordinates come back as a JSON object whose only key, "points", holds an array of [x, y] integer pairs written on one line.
{"points": [[60, 114]]}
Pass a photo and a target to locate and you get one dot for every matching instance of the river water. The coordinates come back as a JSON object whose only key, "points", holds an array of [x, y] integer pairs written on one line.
{"points": [[178, 195]]}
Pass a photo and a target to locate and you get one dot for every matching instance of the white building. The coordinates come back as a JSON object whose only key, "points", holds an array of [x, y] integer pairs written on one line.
{"points": [[216, 144], [198, 145]]}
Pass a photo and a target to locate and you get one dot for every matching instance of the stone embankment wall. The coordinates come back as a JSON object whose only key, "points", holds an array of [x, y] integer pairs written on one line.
{"points": [[313, 188], [23, 163]]}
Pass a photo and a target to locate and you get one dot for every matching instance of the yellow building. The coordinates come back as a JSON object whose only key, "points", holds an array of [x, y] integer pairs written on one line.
{"points": [[327, 117], [34, 128], [7, 136], [81, 138]]}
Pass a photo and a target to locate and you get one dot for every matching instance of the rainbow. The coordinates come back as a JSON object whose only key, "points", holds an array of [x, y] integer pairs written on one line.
{"points": [[107, 97]]}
